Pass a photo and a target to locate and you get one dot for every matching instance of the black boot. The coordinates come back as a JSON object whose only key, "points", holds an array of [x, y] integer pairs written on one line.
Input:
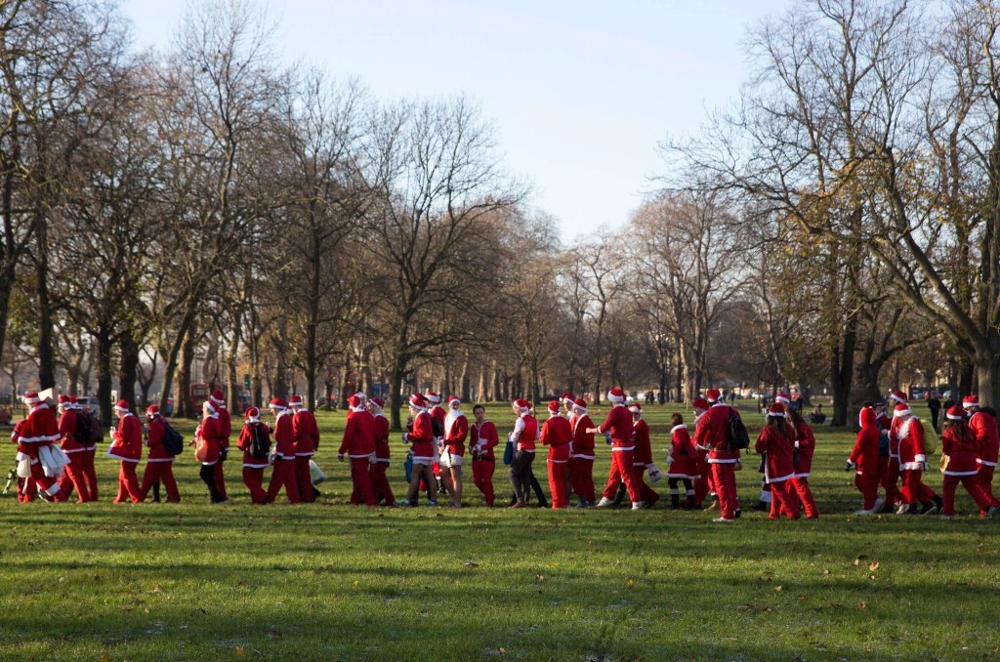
{"points": [[620, 494], [675, 501]]}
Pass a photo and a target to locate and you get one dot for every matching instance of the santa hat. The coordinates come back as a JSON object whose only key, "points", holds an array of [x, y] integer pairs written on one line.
{"points": [[152, 411], [956, 413], [296, 400], [432, 397], [700, 403], [713, 395], [74, 403], [902, 409], [776, 410], [354, 401], [553, 406], [253, 415], [211, 406], [580, 404], [567, 398], [522, 404], [783, 398], [899, 396], [122, 406], [454, 402], [376, 402], [217, 397], [635, 408], [277, 403], [64, 400], [418, 401], [970, 401], [616, 395], [31, 398]]}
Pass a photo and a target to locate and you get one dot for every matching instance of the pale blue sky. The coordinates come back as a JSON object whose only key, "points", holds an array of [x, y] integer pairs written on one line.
{"points": [[580, 92]]}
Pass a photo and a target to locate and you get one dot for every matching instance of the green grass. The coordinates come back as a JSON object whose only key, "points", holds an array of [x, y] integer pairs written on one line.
{"points": [[329, 581]]}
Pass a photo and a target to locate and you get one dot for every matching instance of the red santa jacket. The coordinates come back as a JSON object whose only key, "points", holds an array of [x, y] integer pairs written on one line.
{"points": [[154, 442], [984, 427], [557, 435], [67, 433], [643, 454], [306, 433], [382, 453], [483, 439], [865, 452], [456, 430], [683, 460], [778, 442], [126, 441], [911, 445], [40, 428], [805, 441], [583, 441], [421, 435], [244, 441], [225, 426], [284, 437], [208, 440], [958, 442], [525, 433], [711, 432], [359, 435], [619, 424]]}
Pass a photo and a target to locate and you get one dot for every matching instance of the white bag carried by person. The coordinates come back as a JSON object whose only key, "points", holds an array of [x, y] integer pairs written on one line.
{"points": [[23, 465], [53, 460], [315, 473]]}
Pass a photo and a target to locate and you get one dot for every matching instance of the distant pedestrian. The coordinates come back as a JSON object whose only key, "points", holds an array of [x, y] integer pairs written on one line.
{"points": [[75, 450], [420, 436], [283, 455], [777, 441], [359, 447], [558, 436], [682, 464], [483, 439], [711, 434], [126, 447], [377, 469], [805, 447], [581, 463], [254, 465], [983, 423], [524, 435], [619, 424], [306, 434], [958, 444], [934, 405], [159, 463], [918, 498], [864, 460]]}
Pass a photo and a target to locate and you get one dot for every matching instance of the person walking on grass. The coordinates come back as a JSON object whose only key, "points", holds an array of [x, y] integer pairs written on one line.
{"points": [[524, 435], [890, 481], [805, 447], [483, 439], [89, 452], [711, 434], [864, 460], [619, 424], [581, 462], [917, 497], [225, 425], [642, 458], [682, 464], [703, 487], [983, 423], [159, 463], [777, 443], [306, 444], [958, 444], [558, 436], [283, 471], [126, 447], [75, 449], [377, 469], [254, 465], [420, 436], [359, 446], [208, 449], [34, 438], [456, 431]]}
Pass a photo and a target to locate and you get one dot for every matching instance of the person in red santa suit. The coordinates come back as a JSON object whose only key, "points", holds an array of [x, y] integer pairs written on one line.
{"points": [[27, 490], [420, 436], [377, 469], [958, 444], [34, 441], [126, 447], [777, 440], [569, 404], [88, 453], [682, 464], [805, 447], [283, 472], [864, 459], [208, 449], [74, 477], [581, 459], [306, 444], [438, 414], [253, 466], [619, 424], [703, 487], [711, 434], [218, 401], [890, 478], [359, 446], [983, 423], [884, 423], [524, 436], [642, 457], [159, 463], [557, 435], [483, 438], [917, 497], [456, 431]]}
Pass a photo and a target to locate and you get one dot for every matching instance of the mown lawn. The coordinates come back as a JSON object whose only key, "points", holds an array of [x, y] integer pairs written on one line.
{"points": [[329, 581]]}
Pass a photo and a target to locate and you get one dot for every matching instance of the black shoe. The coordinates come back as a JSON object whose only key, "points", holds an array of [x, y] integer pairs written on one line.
{"points": [[761, 506], [929, 508], [939, 502], [738, 513]]}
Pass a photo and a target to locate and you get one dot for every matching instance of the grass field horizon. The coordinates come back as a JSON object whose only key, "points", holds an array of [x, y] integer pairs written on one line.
{"points": [[326, 581]]}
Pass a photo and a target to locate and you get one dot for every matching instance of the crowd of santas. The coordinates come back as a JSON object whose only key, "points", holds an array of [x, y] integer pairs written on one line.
{"points": [[55, 460]]}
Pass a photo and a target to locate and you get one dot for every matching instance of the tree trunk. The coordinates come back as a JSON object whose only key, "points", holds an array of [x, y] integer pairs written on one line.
{"points": [[104, 376], [46, 359], [184, 404], [842, 371], [128, 369]]}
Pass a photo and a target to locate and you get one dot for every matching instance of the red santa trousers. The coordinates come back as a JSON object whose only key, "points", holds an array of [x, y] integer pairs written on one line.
{"points": [[482, 477], [163, 472], [971, 486], [914, 491], [783, 501], [362, 484], [128, 483], [89, 472], [253, 478], [581, 475], [220, 479], [724, 481], [621, 472], [889, 478], [868, 486], [557, 483], [985, 480], [303, 478], [379, 482], [800, 488], [74, 478], [283, 475]]}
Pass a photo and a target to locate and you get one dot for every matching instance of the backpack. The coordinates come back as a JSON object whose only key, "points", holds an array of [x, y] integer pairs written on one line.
{"points": [[260, 442], [88, 431], [437, 427], [736, 433], [173, 442]]}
